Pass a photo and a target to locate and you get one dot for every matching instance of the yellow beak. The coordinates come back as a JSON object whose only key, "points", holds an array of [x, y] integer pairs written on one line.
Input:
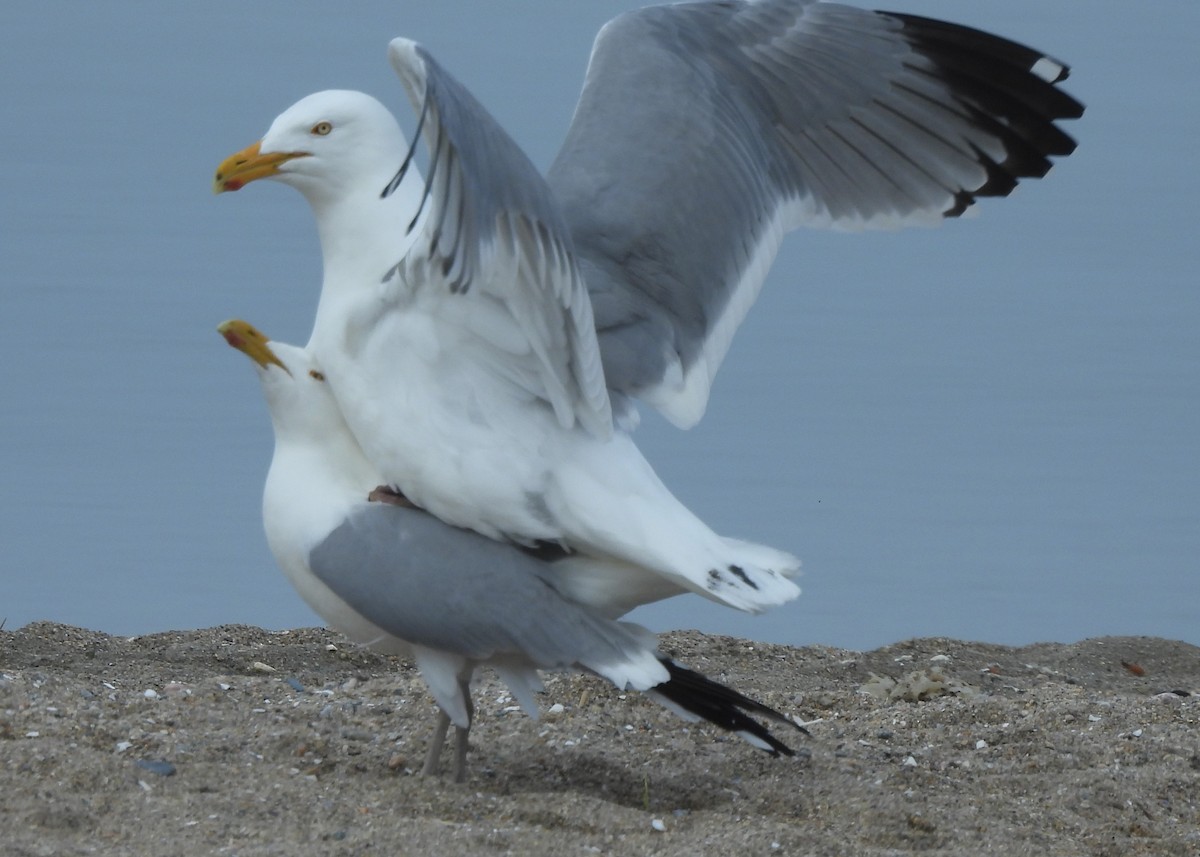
{"points": [[243, 167], [247, 339]]}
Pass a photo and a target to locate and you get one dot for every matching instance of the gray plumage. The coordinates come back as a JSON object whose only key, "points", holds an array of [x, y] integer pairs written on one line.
{"points": [[703, 133], [700, 124], [457, 591]]}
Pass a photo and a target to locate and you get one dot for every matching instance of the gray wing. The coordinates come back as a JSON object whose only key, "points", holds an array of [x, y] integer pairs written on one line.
{"points": [[707, 130], [456, 591], [494, 251]]}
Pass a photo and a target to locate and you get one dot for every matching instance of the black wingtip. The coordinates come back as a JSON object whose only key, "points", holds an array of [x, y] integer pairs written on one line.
{"points": [[724, 707], [1005, 87]]}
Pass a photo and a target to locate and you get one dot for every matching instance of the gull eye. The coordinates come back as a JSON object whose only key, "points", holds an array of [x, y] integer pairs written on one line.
{"points": [[315, 375], [321, 129]]}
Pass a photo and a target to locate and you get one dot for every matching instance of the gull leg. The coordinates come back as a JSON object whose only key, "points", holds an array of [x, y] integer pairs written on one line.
{"points": [[460, 754], [435, 744], [460, 735]]}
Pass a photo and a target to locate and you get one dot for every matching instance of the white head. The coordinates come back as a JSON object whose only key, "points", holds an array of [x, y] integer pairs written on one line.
{"points": [[302, 406], [328, 145]]}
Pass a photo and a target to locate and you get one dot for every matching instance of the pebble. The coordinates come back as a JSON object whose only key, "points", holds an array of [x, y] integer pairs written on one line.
{"points": [[156, 766], [658, 825], [150, 693], [260, 667], [294, 684]]}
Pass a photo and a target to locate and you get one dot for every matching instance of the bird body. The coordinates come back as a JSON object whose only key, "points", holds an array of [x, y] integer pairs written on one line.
{"points": [[397, 579], [486, 330], [483, 332]]}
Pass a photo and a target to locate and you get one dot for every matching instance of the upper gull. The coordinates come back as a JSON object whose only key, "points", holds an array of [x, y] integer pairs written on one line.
{"points": [[486, 329]]}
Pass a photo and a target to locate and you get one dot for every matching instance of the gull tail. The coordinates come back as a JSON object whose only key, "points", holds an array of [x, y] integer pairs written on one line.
{"points": [[694, 697], [752, 577]]}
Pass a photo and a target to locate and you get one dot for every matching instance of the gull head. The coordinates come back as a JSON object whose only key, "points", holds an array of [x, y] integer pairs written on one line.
{"points": [[297, 394], [329, 145]]}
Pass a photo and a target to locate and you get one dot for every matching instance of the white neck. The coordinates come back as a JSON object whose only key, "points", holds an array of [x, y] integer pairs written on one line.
{"points": [[310, 489], [362, 237]]}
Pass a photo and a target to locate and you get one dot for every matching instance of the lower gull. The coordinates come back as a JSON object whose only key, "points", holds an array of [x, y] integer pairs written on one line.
{"points": [[397, 579]]}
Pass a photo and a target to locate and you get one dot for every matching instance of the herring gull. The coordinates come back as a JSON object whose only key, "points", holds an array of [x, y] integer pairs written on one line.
{"points": [[487, 330], [396, 579]]}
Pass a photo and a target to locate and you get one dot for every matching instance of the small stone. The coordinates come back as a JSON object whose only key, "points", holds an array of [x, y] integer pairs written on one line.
{"points": [[909, 762], [156, 766], [260, 667], [396, 762], [658, 825], [981, 744], [150, 693], [294, 684]]}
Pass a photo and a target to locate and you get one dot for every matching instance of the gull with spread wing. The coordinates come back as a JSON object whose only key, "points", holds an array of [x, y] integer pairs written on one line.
{"points": [[487, 330]]}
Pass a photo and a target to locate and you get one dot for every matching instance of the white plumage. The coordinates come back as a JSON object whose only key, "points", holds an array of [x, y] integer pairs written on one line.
{"points": [[481, 325]]}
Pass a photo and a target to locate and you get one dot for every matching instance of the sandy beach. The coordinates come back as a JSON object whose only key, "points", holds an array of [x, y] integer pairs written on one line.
{"points": [[239, 741]]}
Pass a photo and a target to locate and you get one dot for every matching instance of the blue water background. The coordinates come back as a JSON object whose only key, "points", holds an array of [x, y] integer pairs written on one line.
{"points": [[989, 430]]}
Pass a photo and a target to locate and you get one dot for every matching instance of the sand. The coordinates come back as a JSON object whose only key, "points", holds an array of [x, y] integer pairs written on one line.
{"points": [[240, 741]]}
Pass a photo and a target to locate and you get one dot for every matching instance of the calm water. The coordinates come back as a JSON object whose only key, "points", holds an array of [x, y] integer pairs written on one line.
{"points": [[989, 430]]}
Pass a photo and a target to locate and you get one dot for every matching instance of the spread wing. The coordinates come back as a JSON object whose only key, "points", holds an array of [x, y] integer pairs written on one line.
{"points": [[707, 130], [493, 254]]}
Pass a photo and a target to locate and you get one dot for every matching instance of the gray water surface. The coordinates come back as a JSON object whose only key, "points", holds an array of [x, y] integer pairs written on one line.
{"points": [[989, 430]]}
